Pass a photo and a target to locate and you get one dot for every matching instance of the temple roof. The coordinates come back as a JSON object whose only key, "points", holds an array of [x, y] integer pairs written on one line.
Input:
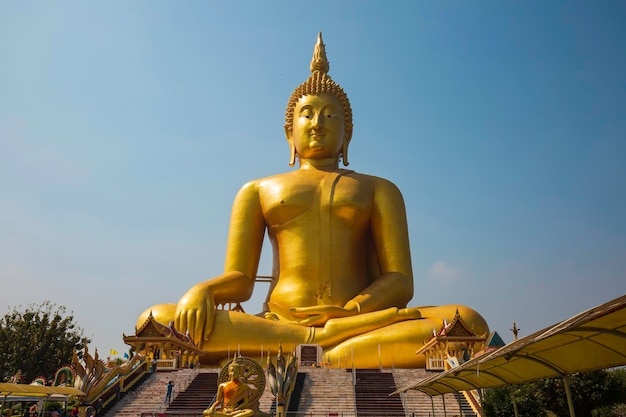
{"points": [[152, 330], [455, 331], [494, 341], [457, 328]]}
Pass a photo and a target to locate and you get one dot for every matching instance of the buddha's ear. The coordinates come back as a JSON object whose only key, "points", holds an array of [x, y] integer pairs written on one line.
{"points": [[292, 147], [346, 143], [288, 132]]}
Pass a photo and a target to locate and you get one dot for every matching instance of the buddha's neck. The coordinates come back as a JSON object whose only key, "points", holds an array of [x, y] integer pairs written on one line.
{"points": [[326, 164]]}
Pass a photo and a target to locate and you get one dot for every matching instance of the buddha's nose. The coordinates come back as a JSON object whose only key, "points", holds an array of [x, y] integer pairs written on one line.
{"points": [[318, 121]]}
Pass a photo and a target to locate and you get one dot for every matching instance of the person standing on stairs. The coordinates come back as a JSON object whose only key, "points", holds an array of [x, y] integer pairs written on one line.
{"points": [[168, 393]]}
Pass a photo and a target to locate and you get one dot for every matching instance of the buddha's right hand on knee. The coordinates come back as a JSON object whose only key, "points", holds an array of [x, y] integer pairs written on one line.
{"points": [[195, 312]]}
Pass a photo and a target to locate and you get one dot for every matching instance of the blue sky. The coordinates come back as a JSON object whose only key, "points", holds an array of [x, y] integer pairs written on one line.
{"points": [[126, 128]]}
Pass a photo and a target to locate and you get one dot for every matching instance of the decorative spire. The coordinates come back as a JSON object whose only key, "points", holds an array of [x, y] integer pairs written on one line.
{"points": [[319, 62]]}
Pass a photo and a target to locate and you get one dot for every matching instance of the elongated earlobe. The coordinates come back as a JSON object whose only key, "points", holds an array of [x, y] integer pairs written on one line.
{"points": [[292, 147], [344, 153], [292, 154]]}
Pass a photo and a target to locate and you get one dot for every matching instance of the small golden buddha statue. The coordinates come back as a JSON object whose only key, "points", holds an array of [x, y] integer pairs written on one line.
{"points": [[342, 273], [232, 396]]}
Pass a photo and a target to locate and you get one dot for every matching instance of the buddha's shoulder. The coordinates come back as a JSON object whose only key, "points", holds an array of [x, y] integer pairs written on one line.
{"points": [[269, 180], [275, 180], [299, 177], [377, 182]]}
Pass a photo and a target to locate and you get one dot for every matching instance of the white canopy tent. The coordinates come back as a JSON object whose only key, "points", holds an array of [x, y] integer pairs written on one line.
{"points": [[593, 339], [35, 393]]}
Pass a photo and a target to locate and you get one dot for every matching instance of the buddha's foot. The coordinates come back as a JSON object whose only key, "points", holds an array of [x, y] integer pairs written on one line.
{"points": [[409, 313]]}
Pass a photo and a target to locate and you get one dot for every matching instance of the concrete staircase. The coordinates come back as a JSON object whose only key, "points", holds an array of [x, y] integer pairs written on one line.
{"points": [[296, 395], [324, 392], [149, 396], [420, 404], [466, 408], [372, 392], [197, 397]]}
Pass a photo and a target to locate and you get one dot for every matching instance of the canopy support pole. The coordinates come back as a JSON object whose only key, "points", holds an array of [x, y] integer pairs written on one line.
{"points": [[514, 402], [568, 394], [432, 404]]}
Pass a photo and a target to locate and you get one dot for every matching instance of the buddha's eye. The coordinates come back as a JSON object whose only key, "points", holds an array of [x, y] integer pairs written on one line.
{"points": [[329, 113]]}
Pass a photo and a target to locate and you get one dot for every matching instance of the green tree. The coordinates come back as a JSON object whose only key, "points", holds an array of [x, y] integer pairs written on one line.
{"points": [[38, 341], [590, 390], [596, 393], [497, 402]]}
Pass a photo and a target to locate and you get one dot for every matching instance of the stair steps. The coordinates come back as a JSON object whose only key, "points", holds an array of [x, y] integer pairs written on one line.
{"points": [[372, 393], [197, 397], [319, 392]]}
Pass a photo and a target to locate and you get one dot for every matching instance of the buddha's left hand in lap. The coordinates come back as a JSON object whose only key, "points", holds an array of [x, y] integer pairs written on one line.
{"points": [[319, 315]]}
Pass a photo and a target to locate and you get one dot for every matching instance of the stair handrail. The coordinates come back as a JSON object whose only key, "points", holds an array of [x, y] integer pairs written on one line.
{"points": [[213, 400], [354, 386], [474, 401]]}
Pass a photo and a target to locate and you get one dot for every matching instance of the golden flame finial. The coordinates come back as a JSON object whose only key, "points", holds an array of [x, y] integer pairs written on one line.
{"points": [[319, 61]]}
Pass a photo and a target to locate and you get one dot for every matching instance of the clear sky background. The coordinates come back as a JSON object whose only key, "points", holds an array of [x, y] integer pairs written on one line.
{"points": [[127, 127]]}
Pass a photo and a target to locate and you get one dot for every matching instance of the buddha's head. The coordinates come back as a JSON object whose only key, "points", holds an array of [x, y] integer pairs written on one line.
{"points": [[235, 370], [320, 97]]}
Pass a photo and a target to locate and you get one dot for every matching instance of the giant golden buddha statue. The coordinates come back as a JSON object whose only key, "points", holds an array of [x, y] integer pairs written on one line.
{"points": [[342, 274]]}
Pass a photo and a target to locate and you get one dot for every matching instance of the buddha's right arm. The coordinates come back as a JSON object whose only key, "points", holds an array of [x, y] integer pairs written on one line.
{"points": [[195, 310], [245, 234], [218, 400]]}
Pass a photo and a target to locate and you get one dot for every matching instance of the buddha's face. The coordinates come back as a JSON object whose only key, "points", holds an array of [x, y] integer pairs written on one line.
{"points": [[318, 129], [235, 371]]}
